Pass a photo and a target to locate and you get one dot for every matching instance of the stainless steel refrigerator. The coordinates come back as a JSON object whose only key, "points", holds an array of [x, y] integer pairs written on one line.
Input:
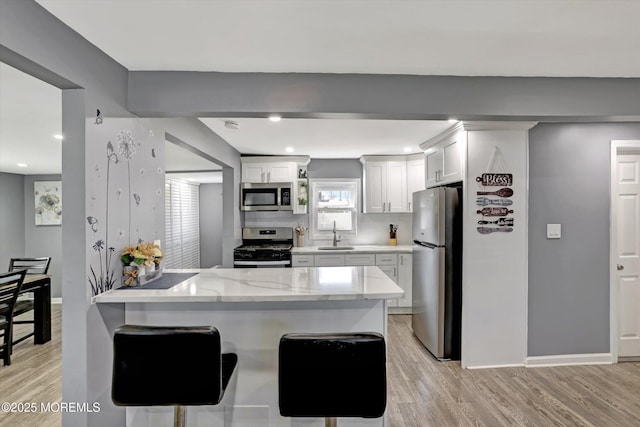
{"points": [[437, 270]]}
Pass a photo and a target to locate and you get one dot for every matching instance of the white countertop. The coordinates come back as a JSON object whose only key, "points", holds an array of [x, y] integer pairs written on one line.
{"points": [[357, 249], [267, 284]]}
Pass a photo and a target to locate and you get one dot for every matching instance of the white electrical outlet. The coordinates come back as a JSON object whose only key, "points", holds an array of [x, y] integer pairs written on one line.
{"points": [[157, 243], [554, 231]]}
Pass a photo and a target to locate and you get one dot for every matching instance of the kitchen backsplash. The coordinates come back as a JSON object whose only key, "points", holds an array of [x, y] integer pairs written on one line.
{"points": [[373, 229]]}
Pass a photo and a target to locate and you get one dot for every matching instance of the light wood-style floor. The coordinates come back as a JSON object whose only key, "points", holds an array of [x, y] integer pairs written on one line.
{"points": [[422, 391], [35, 375]]}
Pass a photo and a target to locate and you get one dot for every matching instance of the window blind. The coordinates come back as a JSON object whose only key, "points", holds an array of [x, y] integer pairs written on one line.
{"points": [[182, 224]]}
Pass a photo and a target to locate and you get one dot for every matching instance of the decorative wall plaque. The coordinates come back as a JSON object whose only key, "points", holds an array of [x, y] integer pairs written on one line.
{"points": [[495, 179], [494, 211]]}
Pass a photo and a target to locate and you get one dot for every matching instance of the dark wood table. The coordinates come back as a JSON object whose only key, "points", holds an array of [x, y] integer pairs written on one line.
{"points": [[40, 285]]}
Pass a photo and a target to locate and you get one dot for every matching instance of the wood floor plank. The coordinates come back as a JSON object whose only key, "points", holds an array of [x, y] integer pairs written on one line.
{"points": [[422, 392]]}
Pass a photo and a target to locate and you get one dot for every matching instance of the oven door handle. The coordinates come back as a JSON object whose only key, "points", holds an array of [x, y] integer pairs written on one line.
{"points": [[261, 262]]}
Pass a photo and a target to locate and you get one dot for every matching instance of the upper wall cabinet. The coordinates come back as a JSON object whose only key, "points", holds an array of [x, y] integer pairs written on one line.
{"points": [[271, 168], [268, 172], [387, 182], [415, 177], [445, 157]]}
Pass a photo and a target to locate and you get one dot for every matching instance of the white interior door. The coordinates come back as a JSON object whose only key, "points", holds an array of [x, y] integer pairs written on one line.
{"points": [[627, 199]]}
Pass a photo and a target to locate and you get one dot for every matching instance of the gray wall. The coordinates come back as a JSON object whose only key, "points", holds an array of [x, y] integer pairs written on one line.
{"points": [[210, 225], [569, 179], [43, 240], [11, 217], [20, 236], [382, 96]]}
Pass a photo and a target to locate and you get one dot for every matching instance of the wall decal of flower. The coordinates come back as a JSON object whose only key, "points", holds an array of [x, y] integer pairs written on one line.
{"points": [[137, 199], [48, 202], [107, 279], [127, 149], [153, 153]]}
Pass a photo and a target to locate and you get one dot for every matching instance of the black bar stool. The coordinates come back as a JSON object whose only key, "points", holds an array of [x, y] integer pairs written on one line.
{"points": [[332, 375], [195, 373]]}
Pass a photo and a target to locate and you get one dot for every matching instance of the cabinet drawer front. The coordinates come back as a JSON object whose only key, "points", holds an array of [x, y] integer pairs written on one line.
{"points": [[361, 259], [329, 260], [386, 259], [302, 261]]}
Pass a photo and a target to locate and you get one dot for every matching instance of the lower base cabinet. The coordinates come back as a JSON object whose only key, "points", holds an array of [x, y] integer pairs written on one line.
{"points": [[397, 266]]}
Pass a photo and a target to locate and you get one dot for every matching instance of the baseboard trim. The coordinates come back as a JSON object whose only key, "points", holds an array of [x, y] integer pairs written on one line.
{"points": [[514, 365], [399, 310], [569, 360], [56, 300]]}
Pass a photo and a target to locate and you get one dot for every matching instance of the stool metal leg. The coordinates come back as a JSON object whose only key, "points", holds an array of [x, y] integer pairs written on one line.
{"points": [[180, 416], [331, 422]]}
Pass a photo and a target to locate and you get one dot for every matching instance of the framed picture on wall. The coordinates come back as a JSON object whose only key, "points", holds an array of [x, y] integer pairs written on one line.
{"points": [[48, 202]]}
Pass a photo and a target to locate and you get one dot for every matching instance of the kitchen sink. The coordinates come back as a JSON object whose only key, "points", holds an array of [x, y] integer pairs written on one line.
{"points": [[335, 248]]}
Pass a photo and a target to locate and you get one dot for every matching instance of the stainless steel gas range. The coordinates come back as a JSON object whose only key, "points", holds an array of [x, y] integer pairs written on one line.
{"points": [[264, 247]]}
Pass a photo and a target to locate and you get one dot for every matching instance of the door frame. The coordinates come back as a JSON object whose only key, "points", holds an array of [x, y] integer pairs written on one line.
{"points": [[617, 147]]}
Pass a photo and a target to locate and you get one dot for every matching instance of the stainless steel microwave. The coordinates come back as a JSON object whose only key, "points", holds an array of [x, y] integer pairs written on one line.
{"points": [[273, 196]]}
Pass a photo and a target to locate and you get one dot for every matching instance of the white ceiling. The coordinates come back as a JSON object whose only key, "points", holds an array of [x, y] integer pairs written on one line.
{"points": [[596, 38], [323, 138], [30, 114]]}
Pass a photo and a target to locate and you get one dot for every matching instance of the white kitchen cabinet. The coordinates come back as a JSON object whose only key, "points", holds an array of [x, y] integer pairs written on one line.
{"points": [[302, 261], [432, 166], [405, 279], [360, 259], [397, 266], [415, 179], [385, 185], [391, 271], [268, 172], [329, 260], [445, 158], [386, 259]]}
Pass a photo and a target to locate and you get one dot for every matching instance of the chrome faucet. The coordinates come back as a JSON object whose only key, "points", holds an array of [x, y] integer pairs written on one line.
{"points": [[335, 237]]}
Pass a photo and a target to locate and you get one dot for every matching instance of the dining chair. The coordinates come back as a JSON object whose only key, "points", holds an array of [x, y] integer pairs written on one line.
{"points": [[10, 285], [38, 265]]}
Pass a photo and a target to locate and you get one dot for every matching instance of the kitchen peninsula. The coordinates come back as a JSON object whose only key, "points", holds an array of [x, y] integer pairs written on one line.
{"points": [[252, 309]]}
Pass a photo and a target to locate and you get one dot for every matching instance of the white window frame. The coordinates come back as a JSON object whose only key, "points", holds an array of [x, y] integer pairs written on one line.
{"points": [[336, 184]]}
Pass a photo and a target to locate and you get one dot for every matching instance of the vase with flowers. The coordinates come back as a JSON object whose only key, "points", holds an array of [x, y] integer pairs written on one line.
{"points": [[300, 230], [141, 263]]}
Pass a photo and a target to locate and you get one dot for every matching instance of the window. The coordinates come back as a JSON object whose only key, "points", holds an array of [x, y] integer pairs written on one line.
{"points": [[182, 225], [334, 202]]}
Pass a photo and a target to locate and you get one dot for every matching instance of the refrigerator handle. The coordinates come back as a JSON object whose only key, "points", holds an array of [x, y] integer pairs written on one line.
{"points": [[425, 244]]}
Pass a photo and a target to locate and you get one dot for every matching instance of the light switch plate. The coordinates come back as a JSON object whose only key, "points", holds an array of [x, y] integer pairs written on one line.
{"points": [[157, 243], [554, 231]]}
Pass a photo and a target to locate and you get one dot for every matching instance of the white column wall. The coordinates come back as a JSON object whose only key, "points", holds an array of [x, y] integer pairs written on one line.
{"points": [[494, 312]]}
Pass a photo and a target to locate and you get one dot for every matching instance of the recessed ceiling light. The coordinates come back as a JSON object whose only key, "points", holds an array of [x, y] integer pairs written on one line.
{"points": [[407, 149], [453, 120], [58, 136], [275, 118], [289, 149], [22, 165]]}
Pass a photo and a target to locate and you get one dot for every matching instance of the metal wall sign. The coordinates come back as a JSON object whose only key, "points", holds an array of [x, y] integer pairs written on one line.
{"points": [[499, 203], [495, 179]]}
